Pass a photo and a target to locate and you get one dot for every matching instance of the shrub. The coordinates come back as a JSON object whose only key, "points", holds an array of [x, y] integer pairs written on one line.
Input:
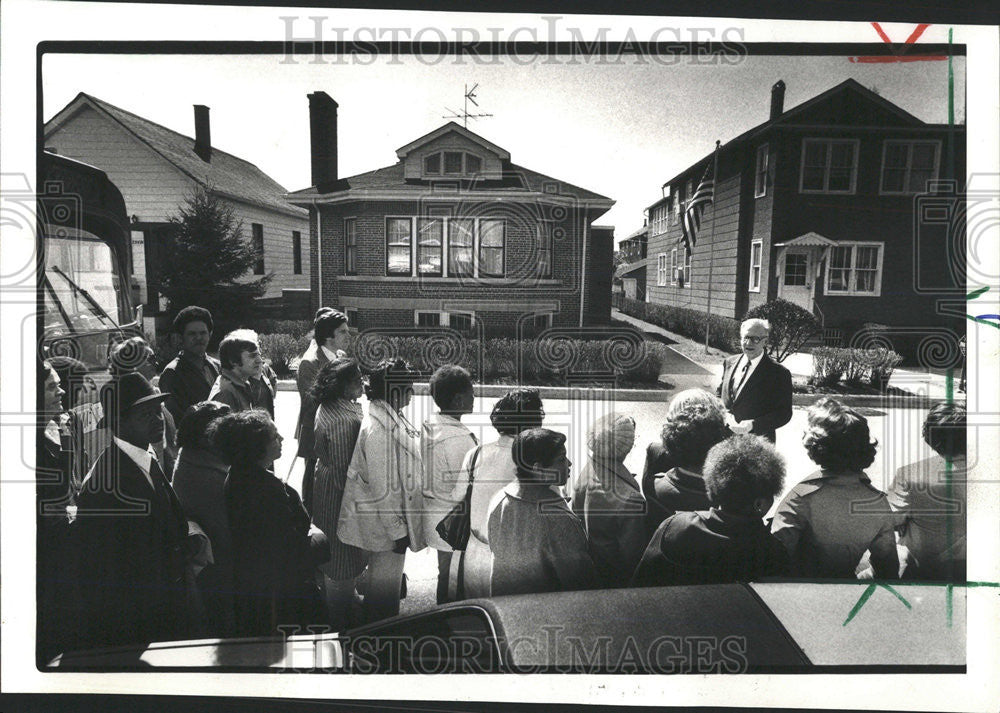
{"points": [[165, 347], [791, 326], [828, 365], [295, 328], [724, 332], [881, 364], [279, 350]]}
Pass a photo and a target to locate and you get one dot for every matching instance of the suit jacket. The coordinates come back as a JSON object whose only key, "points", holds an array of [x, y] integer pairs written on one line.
{"points": [[132, 538], [766, 396], [312, 361], [186, 384]]}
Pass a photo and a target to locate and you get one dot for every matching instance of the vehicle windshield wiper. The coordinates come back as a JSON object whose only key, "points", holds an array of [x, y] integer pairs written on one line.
{"points": [[86, 295]]}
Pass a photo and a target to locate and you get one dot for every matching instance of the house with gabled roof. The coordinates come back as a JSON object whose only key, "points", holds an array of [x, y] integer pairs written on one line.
{"points": [[157, 168], [845, 205], [453, 234]]}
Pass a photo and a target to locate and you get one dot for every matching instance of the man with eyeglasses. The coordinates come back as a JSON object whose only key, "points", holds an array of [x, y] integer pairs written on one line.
{"points": [[756, 391]]}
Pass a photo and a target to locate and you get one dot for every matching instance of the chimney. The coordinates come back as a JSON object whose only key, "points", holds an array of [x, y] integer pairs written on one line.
{"points": [[323, 140], [777, 100], [202, 133]]}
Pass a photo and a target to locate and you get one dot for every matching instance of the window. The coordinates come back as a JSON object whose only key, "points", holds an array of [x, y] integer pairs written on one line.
{"points": [[760, 181], [677, 208], [829, 166], [473, 164], [430, 244], [756, 248], [462, 321], [461, 233], [543, 248], [296, 252], [541, 322], [673, 266], [432, 163], [491, 247], [454, 163], [258, 247], [352, 317], [687, 269], [661, 270], [907, 166], [855, 269], [428, 319], [399, 238], [796, 266], [350, 246], [449, 243]]}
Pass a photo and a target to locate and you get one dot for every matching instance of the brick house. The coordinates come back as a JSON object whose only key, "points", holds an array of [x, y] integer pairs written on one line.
{"points": [[822, 205], [453, 235], [157, 169]]}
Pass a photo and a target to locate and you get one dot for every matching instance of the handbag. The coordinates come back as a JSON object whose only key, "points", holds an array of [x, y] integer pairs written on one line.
{"points": [[456, 526]]}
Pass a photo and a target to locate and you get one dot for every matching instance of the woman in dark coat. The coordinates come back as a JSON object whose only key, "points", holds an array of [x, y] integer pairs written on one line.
{"points": [[199, 480], [275, 547], [336, 426]]}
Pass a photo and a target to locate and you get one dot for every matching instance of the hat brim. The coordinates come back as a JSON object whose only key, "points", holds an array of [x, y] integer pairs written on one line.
{"points": [[152, 398]]}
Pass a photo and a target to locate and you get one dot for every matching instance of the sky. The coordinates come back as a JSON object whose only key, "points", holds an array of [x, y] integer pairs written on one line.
{"points": [[619, 129]]}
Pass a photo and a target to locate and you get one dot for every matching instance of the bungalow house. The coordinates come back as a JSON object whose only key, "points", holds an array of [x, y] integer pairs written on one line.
{"points": [[822, 205], [454, 234], [157, 169]]}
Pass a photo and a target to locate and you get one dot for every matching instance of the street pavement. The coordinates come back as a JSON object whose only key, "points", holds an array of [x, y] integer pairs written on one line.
{"points": [[897, 432]]}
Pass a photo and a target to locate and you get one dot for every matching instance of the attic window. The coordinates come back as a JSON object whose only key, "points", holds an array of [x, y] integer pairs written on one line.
{"points": [[455, 163]]}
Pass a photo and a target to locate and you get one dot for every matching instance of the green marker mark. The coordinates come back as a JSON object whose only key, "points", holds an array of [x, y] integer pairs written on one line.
{"points": [[867, 594]]}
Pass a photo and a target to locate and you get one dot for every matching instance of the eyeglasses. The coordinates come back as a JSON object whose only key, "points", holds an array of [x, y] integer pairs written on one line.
{"points": [[753, 340]]}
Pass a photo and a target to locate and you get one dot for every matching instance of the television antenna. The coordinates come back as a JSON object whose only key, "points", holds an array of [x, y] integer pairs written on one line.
{"points": [[464, 115]]}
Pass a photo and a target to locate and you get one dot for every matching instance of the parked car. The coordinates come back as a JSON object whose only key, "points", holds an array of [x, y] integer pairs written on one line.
{"points": [[775, 627]]}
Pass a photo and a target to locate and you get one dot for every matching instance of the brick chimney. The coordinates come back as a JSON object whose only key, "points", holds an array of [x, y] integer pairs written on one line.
{"points": [[323, 140], [777, 100], [202, 133]]}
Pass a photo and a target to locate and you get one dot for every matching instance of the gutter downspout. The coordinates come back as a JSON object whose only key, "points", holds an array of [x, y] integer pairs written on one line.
{"points": [[583, 265], [319, 252]]}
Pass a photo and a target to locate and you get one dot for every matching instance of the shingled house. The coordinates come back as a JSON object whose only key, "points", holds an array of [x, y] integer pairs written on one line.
{"points": [[844, 205], [157, 169], [453, 234]]}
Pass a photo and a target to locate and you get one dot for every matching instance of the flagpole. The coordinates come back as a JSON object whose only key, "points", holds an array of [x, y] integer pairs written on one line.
{"points": [[711, 241]]}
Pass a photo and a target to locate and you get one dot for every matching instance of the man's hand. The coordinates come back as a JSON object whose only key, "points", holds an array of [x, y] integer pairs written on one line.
{"points": [[738, 427]]}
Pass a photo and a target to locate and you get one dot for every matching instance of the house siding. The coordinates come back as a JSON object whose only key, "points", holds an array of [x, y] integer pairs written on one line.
{"points": [[154, 189]]}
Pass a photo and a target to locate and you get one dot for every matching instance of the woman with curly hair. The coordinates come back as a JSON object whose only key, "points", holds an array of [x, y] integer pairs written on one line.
{"points": [[728, 542], [829, 520], [275, 548], [381, 510], [336, 425], [696, 421]]}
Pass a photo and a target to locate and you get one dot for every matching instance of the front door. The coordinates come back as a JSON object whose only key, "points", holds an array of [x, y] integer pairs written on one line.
{"points": [[796, 281]]}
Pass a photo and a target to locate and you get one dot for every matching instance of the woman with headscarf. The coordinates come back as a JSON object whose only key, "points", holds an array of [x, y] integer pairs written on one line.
{"points": [[336, 425], [607, 498], [199, 482]]}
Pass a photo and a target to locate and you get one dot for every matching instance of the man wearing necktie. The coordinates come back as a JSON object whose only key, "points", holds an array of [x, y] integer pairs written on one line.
{"points": [[756, 391], [131, 530]]}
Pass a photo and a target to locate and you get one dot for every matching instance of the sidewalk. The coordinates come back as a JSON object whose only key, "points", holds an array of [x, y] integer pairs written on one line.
{"points": [[926, 383]]}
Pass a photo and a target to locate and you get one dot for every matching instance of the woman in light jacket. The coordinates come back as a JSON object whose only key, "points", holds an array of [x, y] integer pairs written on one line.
{"points": [[381, 509]]}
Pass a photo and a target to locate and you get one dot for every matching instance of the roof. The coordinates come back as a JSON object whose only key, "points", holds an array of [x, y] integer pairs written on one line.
{"points": [[516, 179], [644, 230], [226, 175], [787, 117], [451, 126]]}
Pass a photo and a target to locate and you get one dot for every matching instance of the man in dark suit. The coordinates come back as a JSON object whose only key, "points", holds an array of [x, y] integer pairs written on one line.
{"points": [[756, 391], [332, 339], [132, 533]]}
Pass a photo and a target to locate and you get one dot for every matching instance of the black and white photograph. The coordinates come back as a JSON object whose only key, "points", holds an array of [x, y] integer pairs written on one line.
{"points": [[653, 351]]}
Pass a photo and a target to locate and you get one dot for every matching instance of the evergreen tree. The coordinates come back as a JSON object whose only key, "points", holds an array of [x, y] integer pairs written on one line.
{"points": [[204, 259]]}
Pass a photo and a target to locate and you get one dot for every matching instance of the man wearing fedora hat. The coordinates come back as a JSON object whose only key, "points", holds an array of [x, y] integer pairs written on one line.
{"points": [[132, 530]]}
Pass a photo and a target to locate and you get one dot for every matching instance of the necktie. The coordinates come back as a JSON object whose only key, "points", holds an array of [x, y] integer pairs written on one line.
{"points": [[743, 375]]}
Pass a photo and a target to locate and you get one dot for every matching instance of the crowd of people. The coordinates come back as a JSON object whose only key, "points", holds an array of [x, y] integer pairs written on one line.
{"points": [[180, 528]]}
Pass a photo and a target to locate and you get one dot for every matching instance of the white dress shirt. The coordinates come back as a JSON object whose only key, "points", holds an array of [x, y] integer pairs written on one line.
{"points": [[738, 369]]}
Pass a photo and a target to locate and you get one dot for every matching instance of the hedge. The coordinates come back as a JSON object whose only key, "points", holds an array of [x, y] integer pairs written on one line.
{"points": [[872, 367], [724, 332], [547, 361]]}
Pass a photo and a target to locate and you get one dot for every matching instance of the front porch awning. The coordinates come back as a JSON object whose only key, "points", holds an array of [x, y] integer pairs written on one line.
{"points": [[815, 242]]}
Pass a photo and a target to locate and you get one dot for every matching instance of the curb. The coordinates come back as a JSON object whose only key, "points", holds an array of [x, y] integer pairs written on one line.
{"points": [[639, 395]]}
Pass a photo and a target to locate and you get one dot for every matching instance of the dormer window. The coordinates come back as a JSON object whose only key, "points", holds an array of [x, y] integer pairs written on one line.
{"points": [[452, 163]]}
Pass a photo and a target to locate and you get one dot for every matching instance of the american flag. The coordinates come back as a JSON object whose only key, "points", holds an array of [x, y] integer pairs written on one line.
{"points": [[695, 207]]}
